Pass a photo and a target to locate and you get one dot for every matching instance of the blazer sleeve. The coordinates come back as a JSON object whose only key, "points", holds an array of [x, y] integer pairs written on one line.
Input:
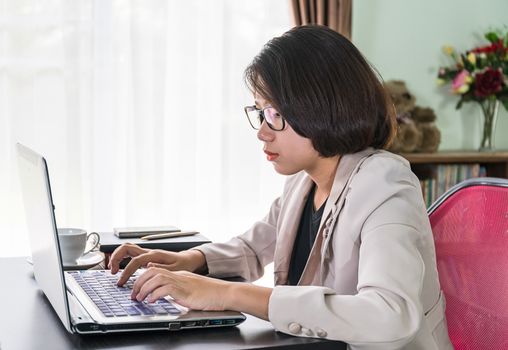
{"points": [[385, 203], [245, 255]]}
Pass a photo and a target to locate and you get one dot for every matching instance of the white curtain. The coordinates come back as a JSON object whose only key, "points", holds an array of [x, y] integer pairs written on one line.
{"points": [[138, 108]]}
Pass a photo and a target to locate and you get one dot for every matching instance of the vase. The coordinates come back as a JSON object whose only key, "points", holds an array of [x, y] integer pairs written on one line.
{"points": [[490, 108]]}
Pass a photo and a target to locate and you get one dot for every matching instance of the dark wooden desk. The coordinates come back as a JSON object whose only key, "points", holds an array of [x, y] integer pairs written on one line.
{"points": [[27, 321]]}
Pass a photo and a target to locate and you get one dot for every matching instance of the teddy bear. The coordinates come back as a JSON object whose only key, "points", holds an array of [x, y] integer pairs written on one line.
{"points": [[416, 128], [425, 120], [408, 137]]}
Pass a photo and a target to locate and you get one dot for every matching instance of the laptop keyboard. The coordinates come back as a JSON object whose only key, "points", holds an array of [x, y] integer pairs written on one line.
{"points": [[114, 301]]}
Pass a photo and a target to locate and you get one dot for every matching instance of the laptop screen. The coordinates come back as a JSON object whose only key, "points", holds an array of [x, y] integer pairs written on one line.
{"points": [[42, 230]]}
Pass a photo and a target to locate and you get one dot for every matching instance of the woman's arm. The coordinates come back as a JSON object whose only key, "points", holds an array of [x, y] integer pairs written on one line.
{"points": [[249, 298], [243, 256], [188, 260], [386, 312], [202, 293], [247, 254]]}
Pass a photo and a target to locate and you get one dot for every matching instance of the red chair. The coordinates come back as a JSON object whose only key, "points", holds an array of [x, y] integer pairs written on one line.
{"points": [[470, 226]]}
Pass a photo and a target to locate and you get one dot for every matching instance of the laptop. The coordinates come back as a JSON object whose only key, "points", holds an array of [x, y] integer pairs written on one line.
{"points": [[89, 301]]}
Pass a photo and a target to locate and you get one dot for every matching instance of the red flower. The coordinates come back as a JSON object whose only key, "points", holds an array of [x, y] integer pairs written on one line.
{"points": [[490, 48], [488, 83]]}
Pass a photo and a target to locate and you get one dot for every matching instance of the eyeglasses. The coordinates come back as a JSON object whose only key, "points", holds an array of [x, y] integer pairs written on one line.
{"points": [[269, 114]]}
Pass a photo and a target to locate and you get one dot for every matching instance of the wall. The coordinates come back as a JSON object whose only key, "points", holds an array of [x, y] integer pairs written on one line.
{"points": [[403, 40]]}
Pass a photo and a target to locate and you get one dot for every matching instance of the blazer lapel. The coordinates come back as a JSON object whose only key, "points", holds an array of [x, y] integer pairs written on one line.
{"points": [[290, 218], [347, 164]]}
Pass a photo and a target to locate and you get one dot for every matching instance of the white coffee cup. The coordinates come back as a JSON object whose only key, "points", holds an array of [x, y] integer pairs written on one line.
{"points": [[73, 242]]}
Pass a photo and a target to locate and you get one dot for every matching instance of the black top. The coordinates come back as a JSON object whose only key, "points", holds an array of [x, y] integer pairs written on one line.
{"points": [[305, 237]]}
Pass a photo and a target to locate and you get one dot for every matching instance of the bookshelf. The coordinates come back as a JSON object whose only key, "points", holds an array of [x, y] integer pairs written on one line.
{"points": [[441, 170], [495, 163]]}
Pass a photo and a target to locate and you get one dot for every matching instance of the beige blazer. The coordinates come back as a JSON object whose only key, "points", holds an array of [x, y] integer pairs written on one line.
{"points": [[371, 278]]}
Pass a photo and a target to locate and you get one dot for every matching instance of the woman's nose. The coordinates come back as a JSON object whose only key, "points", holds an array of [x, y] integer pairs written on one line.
{"points": [[265, 134]]}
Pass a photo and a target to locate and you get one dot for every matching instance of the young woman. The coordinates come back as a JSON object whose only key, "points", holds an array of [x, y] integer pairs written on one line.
{"points": [[349, 237]]}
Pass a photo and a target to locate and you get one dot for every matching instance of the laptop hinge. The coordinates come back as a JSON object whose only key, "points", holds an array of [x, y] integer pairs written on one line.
{"points": [[77, 311]]}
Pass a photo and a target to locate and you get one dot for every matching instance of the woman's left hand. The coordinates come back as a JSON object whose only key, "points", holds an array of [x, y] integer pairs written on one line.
{"points": [[188, 289]]}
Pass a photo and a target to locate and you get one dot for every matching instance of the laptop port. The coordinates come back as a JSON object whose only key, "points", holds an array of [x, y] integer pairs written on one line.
{"points": [[215, 322], [189, 324], [229, 321], [174, 326]]}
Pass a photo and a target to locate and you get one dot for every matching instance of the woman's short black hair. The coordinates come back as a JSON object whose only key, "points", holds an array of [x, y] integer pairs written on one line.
{"points": [[325, 89]]}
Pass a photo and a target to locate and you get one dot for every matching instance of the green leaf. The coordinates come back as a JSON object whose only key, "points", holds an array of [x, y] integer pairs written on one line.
{"points": [[506, 40], [467, 97], [459, 104], [492, 37]]}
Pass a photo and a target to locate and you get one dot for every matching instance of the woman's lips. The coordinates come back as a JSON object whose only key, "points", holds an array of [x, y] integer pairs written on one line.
{"points": [[271, 156]]}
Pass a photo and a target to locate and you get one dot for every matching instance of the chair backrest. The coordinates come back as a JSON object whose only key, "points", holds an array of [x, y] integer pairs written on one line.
{"points": [[470, 226]]}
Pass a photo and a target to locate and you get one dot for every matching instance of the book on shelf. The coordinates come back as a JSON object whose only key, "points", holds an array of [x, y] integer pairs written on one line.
{"points": [[445, 176]]}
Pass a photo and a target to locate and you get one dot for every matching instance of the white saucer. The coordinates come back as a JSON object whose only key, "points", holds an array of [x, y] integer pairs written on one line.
{"points": [[86, 261]]}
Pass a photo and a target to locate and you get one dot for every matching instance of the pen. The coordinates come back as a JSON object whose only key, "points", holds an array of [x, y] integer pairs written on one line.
{"points": [[168, 235]]}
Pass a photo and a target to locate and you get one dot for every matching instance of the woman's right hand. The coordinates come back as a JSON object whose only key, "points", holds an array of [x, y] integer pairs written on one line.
{"points": [[188, 260]]}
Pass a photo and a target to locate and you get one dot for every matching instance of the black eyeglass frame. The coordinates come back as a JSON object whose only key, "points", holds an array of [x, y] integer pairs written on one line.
{"points": [[262, 115]]}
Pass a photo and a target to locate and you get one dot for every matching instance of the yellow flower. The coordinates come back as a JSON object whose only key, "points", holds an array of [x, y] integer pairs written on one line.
{"points": [[462, 90], [471, 58], [448, 50], [440, 82]]}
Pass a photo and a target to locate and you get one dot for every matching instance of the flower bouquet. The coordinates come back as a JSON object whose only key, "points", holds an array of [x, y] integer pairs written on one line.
{"points": [[480, 75]]}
